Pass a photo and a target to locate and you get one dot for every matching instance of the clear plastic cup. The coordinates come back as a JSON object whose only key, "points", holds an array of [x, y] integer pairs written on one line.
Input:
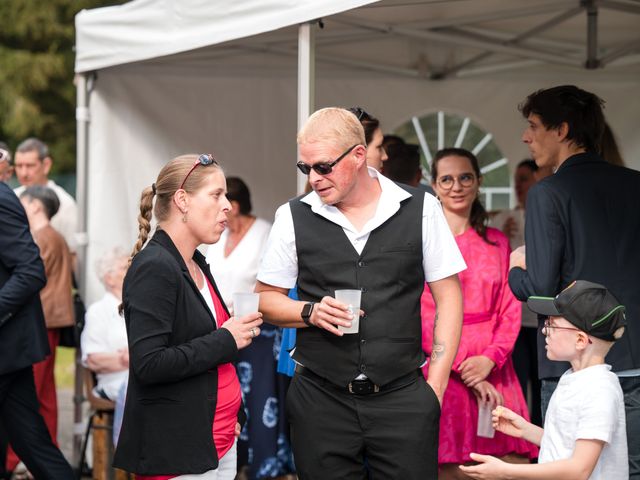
{"points": [[245, 303], [485, 425], [351, 298]]}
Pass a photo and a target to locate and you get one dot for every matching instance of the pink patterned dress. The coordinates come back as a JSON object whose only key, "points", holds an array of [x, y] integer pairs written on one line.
{"points": [[490, 327]]}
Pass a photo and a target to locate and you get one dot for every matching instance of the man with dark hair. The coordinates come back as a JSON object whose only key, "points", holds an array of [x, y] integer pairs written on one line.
{"points": [[579, 225], [41, 204], [23, 342], [32, 166], [403, 164]]}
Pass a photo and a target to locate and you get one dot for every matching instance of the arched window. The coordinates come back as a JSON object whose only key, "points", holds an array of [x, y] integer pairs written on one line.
{"points": [[442, 129]]}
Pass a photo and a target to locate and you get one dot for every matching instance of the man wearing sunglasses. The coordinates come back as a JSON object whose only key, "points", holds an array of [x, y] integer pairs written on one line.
{"points": [[360, 396]]}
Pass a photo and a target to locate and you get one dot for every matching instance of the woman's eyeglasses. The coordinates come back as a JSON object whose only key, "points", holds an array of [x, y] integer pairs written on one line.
{"points": [[446, 182], [204, 159], [323, 168], [548, 326]]}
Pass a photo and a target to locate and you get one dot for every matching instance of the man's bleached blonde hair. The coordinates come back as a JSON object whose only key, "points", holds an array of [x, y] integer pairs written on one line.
{"points": [[333, 125]]}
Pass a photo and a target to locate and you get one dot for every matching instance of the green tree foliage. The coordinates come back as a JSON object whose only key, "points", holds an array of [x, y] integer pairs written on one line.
{"points": [[37, 94]]}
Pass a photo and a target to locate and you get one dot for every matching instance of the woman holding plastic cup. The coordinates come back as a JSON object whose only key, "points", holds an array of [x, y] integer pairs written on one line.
{"points": [[483, 374], [183, 408]]}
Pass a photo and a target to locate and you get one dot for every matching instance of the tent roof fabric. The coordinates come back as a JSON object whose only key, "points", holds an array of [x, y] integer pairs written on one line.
{"points": [[145, 29], [428, 39]]}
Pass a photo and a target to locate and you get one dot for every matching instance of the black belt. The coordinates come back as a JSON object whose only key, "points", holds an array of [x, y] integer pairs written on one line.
{"points": [[364, 386]]}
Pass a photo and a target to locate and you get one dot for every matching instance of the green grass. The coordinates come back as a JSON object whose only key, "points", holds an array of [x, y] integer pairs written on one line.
{"points": [[65, 367]]}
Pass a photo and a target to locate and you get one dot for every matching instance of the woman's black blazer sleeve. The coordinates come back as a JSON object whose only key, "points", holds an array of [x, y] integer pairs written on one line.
{"points": [[172, 334]]}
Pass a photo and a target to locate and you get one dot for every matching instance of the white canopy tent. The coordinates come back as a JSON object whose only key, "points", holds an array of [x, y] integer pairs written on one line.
{"points": [[158, 78]]}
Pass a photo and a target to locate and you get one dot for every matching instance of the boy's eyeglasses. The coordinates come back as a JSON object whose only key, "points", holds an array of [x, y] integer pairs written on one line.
{"points": [[323, 168], [446, 182], [547, 326], [204, 159]]}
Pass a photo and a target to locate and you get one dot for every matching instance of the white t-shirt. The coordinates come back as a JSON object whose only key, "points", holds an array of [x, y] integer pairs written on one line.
{"points": [[66, 220], [237, 272], [588, 405], [105, 332], [441, 256]]}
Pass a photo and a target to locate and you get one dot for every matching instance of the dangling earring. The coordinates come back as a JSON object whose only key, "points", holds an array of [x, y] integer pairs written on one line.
{"points": [[184, 217]]}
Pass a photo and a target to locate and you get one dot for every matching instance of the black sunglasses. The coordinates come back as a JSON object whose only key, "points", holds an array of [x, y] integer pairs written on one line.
{"points": [[204, 159], [360, 113], [323, 168]]}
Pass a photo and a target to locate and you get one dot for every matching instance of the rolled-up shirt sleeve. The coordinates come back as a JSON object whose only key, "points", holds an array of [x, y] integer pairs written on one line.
{"points": [[441, 256], [279, 266]]}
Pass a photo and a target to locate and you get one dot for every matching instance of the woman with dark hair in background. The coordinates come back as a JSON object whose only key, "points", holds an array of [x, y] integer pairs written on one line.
{"points": [[482, 369], [376, 153], [263, 446], [183, 404]]}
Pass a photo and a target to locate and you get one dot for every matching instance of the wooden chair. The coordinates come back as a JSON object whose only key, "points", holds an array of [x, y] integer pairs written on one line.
{"points": [[101, 425]]}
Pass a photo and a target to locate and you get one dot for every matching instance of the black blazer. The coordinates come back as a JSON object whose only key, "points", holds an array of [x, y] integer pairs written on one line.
{"points": [[23, 334], [582, 223], [174, 348]]}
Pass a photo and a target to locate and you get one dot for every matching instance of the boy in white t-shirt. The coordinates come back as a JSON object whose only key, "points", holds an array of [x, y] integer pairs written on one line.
{"points": [[584, 432]]}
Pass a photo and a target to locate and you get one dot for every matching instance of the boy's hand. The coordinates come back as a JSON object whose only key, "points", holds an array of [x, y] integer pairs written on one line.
{"points": [[488, 467], [508, 422]]}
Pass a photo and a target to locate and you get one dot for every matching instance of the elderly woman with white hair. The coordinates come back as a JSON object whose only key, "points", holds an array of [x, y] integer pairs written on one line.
{"points": [[104, 337]]}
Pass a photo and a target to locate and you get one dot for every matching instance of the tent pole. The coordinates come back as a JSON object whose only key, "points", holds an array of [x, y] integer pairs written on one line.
{"points": [[592, 35], [82, 134], [306, 82]]}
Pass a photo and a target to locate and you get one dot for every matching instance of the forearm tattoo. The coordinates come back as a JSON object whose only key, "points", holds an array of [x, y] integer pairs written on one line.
{"points": [[437, 349]]}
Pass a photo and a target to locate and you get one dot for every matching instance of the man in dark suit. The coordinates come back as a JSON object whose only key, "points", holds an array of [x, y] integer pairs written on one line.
{"points": [[23, 341], [581, 223]]}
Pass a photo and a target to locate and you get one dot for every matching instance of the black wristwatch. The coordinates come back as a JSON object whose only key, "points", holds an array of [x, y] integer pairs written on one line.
{"points": [[306, 312]]}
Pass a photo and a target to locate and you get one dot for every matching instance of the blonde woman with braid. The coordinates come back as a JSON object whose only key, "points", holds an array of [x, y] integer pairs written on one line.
{"points": [[183, 408]]}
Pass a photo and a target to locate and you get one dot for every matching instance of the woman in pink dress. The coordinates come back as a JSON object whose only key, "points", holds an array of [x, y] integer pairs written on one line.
{"points": [[482, 369]]}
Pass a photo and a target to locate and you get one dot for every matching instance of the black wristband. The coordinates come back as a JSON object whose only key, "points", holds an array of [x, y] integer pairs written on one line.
{"points": [[306, 313]]}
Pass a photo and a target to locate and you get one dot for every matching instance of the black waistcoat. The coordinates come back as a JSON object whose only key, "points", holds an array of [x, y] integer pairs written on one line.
{"points": [[389, 272]]}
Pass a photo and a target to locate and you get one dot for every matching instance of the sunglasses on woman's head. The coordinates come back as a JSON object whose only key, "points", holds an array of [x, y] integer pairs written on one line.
{"points": [[204, 159], [360, 113], [323, 168]]}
